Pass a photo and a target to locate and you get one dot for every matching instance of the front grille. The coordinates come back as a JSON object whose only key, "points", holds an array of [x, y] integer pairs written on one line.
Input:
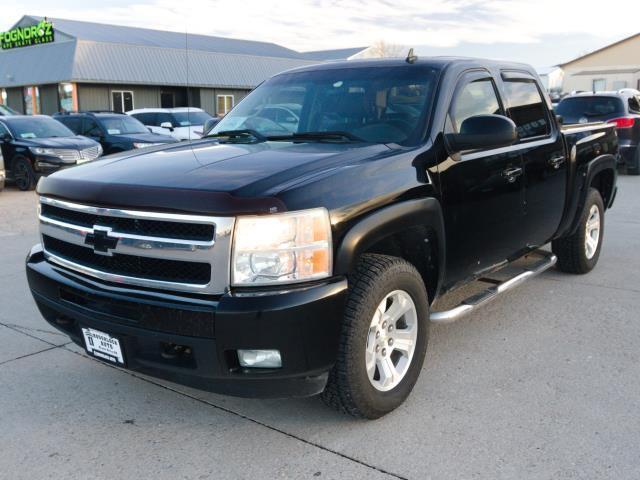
{"points": [[135, 226], [68, 155], [129, 265], [90, 153], [176, 252]]}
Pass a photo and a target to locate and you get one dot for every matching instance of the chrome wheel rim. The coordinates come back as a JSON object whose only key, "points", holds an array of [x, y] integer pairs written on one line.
{"points": [[391, 340], [592, 232]]}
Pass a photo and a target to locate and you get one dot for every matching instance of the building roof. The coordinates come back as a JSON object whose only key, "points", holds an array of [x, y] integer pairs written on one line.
{"points": [[98, 53], [611, 45]]}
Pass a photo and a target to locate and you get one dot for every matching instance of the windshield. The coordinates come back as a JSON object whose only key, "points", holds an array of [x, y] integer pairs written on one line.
{"points": [[37, 127], [589, 109], [122, 125], [375, 104], [189, 119]]}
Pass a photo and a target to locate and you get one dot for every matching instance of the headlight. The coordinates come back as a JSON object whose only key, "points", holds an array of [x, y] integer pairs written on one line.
{"points": [[282, 248], [53, 152], [145, 144]]}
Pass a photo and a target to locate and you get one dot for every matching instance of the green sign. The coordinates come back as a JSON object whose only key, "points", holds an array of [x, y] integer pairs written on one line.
{"points": [[27, 36]]}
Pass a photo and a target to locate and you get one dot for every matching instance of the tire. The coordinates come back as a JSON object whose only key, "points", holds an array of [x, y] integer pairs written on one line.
{"points": [[573, 252], [634, 167], [23, 174], [350, 388]]}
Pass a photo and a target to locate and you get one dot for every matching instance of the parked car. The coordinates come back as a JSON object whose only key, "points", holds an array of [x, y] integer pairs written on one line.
{"points": [[116, 132], [6, 111], [269, 263], [35, 146], [185, 123], [621, 108]]}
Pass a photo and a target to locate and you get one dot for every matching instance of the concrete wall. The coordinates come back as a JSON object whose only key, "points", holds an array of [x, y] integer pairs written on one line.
{"points": [[14, 99]]}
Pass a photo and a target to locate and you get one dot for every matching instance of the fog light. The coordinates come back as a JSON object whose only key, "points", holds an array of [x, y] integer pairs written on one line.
{"points": [[260, 358]]}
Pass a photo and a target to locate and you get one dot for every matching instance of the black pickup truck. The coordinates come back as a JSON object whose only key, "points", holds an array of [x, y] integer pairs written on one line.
{"points": [[305, 253]]}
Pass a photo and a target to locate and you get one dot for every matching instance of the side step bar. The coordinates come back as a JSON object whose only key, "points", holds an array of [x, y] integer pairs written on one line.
{"points": [[546, 261]]}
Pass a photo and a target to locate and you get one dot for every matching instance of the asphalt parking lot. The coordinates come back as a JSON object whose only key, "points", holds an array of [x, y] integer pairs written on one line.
{"points": [[543, 383]]}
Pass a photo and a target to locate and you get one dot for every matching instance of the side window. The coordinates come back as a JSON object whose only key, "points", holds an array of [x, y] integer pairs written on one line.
{"points": [[91, 128], [634, 104], [526, 108], [3, 130], [163, 117], [475, 98], [72, 123]]}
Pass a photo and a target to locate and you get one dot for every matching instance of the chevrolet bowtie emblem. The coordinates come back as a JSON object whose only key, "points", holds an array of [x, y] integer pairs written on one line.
{"points": [[100, 240]]}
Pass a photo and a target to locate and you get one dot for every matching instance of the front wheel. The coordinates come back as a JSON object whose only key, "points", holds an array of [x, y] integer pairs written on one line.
{"points": [[384, 338], [23, 174], [579, 252]]}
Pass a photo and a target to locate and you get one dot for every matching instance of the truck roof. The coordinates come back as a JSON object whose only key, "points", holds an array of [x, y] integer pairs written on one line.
{"points": [[439, 62]]}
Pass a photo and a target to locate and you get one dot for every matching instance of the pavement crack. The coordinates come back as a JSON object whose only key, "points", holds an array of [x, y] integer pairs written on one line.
{"points": [[19, 330], [249, 419], [28, 355]]}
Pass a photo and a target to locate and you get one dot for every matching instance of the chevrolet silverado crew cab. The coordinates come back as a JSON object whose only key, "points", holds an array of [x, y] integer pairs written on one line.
{"points": [[307, 253]]}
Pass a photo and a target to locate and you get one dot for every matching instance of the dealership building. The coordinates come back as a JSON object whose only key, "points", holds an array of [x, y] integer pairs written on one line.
{"points": [[52, 65]]}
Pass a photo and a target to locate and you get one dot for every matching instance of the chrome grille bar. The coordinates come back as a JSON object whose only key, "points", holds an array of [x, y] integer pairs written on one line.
{"points": [[148, 246]]}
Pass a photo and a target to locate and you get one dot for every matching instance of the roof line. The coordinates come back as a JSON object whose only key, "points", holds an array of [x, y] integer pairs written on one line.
{"points": [[598, 50], [311, 62]]}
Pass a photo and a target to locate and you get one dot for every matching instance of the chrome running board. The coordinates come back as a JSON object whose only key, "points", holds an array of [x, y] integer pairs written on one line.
{"points": [[541, 261]]}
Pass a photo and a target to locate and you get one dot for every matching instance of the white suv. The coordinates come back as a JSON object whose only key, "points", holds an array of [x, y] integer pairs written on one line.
{"points": [[184, 123]]}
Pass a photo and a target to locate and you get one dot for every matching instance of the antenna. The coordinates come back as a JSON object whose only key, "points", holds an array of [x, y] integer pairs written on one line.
{"points": [[411, 57]]}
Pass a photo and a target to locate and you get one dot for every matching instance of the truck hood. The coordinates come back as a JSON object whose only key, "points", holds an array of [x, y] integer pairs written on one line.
{"points": [[203, 177]]}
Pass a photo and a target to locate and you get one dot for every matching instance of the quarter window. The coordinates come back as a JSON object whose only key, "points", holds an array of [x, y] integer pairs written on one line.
{"points": [[122, 100], [526, 108], [475, 98], [224, 104]]}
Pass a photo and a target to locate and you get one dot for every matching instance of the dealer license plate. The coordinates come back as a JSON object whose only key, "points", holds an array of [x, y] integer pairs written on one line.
{"points": [[103, 345]]}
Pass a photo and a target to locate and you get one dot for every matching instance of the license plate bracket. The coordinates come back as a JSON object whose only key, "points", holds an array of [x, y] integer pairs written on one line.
{"points": [[103, 345]]}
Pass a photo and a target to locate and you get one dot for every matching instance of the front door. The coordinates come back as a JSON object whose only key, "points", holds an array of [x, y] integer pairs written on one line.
{"points": [[543, 151], [6, 146], [482, 190]]}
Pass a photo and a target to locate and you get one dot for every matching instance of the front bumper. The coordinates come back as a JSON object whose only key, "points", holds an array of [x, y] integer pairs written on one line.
{"points": [[302, 322]]}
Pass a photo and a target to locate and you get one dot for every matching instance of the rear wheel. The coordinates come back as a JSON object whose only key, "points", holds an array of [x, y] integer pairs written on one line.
{"points": [[384, 338], [23, 174], [579, 252]]}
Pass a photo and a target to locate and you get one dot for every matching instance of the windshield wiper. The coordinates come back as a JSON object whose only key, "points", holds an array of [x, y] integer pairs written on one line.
{"points": [[238, 134], [338, 136]]}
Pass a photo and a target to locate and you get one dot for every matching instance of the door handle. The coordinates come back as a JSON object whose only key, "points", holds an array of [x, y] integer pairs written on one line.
{"points": [[511, 174], [555, 162]]}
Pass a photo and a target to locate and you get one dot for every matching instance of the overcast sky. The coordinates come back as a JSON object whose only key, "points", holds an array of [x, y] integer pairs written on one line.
{"points": [[540, 32]]}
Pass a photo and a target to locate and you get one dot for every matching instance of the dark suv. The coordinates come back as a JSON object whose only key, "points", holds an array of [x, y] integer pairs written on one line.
{"points": [[621, 108], [116, 132]]}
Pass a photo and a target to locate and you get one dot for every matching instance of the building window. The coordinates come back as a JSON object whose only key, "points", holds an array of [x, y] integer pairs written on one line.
{"points": [[65, 94], [31, 100], [224, 104], [619, 84], [3, 96], [599, 84], [121, 100], [167, 100]]}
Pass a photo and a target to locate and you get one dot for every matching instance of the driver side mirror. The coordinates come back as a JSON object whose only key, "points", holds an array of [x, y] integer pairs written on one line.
{"points": [[483, 131], [5, 138], [167, 125]]}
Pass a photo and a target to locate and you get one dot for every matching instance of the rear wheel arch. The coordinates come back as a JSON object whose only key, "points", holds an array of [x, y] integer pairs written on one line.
{"points": [[412, 230]]}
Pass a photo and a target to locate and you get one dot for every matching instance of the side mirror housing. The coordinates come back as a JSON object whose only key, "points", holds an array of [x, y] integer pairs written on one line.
{"points": [[483, 131], [167, 125], [5, 138], [208, 125]]}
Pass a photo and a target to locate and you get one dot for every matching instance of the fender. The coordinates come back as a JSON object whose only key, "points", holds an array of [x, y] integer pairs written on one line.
{"points": [[597, 165], [386, 222]]}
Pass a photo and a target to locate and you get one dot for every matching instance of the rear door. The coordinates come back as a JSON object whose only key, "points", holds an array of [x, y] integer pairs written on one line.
{"points": [[482, 191], [543, 152]]}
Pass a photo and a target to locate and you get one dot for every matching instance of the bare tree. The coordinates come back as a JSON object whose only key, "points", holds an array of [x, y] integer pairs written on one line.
{"points": [[382, 49]]}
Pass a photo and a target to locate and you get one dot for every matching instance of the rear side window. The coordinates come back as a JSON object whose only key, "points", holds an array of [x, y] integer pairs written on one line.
{"points": [[91, 128], [475, 98], [590, 109], [526, 108], [73, 123], [634, 104]]}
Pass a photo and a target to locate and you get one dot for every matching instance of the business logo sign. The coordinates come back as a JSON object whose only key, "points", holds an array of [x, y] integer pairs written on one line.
{"points": [[27, 36]]}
